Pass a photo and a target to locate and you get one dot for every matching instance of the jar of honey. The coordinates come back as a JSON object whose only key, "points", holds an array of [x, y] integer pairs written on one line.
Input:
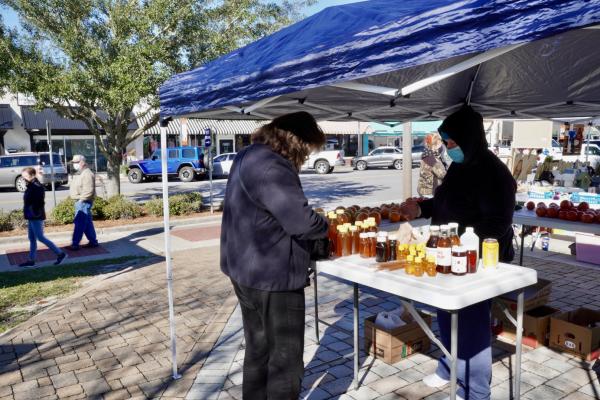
{"points": [[454, 238], [381, 249], [410, 266], [372, 244], [332, 234], [418, 269], [444, 252], [342, 217], [459, 260], [364, 245], [359, 225], [339, 245], [393, 246], [430, 266], [355, 239], [434, 236]]}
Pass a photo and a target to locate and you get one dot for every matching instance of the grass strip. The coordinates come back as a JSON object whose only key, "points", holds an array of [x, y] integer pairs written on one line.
{"points": [[21, 290]]}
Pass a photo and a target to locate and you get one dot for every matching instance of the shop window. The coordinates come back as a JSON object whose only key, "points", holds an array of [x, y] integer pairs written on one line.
{"points": [[225, 146]]}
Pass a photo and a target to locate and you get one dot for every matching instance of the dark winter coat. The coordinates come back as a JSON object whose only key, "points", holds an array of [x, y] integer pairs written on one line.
{"points": [[267, 229], [480, 192], [33, 201]]}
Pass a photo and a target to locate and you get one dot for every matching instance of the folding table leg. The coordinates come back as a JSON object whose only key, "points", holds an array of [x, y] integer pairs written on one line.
{"points": [[522, 244], [316, 308], [454, 354], [356, 349], [517, 386]]}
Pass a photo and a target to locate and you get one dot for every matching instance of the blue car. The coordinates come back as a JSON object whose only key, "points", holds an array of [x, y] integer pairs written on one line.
{"points": [[184, 162]]}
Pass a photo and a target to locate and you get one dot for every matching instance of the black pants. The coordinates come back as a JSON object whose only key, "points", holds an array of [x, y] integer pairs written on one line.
{"points": [[274, 332]]}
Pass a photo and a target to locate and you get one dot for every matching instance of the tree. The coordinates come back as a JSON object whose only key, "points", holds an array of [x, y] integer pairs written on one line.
{"points": [[95, 60]]}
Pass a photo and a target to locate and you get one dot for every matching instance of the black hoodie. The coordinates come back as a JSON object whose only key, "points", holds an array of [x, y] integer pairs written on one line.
{"points": [[479, 192], [33, 201]]}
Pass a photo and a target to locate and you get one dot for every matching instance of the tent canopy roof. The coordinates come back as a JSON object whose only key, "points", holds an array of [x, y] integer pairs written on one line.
{"points": [[532, 59]]}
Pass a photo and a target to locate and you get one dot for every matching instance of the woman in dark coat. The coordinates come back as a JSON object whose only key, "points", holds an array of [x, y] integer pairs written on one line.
{"points": [[35, 214], [267, 230], [478, 191]]}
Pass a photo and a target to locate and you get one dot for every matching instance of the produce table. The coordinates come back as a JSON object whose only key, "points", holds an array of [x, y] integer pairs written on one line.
{"points": [[446, 292], [525, 217]]}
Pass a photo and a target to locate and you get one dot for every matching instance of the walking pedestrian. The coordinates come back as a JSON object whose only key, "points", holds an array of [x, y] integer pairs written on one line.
{"points": [[35, 214], [433, 167], [83, 191], [266, 236], [477, 191]]}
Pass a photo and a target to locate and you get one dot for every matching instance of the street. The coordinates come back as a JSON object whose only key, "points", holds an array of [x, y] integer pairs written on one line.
{"points": [[342, 186]]}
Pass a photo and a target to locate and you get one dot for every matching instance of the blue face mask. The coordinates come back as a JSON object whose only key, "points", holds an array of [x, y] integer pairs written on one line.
{"points": [[456, 154]]}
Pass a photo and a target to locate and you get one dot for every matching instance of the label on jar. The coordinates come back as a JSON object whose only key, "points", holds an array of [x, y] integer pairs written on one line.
{"points": [[459, 265], [431, 251], [443, 256]]}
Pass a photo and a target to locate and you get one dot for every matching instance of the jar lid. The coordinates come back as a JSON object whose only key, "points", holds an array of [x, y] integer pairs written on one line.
{"points": [[469, 229], [434, 228], [393, 237], [340, 211], [458, 249], [372, 234], [358, 223], [444, 227], [453, 225], [354, 228], [382, 233], [363, 235], [381, 239]]}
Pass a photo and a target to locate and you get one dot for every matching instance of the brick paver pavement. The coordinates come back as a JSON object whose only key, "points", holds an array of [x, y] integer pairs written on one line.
{"points": [[18, 256], [111, 339], [547, 374]]}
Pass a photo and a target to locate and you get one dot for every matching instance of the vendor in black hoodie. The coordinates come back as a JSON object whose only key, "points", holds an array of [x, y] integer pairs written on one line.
{"points": [[477, 191]]}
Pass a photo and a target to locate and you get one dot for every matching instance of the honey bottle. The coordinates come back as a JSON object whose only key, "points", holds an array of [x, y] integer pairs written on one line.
{"points": [[347, 242], [372, 244], [364, 245], [342, 217], [359, 225], [418, 267], [393, 246], [430, 266], [431, 246], [444, 252], [454, 238], [355, 234], [410, 266], [339, 245], [381, 249], [332, 234]]}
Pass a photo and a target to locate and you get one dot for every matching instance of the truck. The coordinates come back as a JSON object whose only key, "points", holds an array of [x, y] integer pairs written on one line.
{"points": [[324, 161], [593, 155], [185, 162]]}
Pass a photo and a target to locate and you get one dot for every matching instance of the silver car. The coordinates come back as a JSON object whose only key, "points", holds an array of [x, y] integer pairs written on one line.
{"points": [[12, 165], [380, 157], [222, 164]]}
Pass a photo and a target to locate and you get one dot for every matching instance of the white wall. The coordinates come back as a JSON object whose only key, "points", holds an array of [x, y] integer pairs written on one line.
{"points": [[16, 138]]}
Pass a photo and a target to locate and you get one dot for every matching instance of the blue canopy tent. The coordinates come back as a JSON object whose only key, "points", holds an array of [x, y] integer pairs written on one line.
{"points": [[385, 60]]}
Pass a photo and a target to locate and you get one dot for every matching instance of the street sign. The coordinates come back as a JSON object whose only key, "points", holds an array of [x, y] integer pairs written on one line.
{"points": [[207, 138]]}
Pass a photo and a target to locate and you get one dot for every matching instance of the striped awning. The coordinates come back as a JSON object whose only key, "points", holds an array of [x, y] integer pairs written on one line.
{"points": [[6, 121], [33, 119]]}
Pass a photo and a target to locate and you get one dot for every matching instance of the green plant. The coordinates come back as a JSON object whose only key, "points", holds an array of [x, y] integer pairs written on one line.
{"points": [[98, 208], [17, 219], [123, 170], [64, 212], [179, 204], [5, 222], [118, 207]]}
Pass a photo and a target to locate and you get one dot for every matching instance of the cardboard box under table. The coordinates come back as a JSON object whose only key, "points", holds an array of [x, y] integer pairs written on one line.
{"points": [[536, 326], [393, 345], [577, 332]]}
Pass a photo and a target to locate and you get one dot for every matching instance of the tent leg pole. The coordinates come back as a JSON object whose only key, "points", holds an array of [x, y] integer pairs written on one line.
{"points": [[407, 160], [168, 260]]}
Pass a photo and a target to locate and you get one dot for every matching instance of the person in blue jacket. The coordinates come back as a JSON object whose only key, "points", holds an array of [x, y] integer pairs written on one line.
{"points": [[478, 191], [35, 214], [267, 232]]}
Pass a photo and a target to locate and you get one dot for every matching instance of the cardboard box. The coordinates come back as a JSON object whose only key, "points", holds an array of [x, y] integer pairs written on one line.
{"points": [[393, 345], [571, 332], [536, 326], [535, 296], [587, 248]]}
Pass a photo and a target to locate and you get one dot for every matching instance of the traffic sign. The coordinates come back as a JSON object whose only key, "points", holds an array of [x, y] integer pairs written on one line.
{"points": [[207, 138]]}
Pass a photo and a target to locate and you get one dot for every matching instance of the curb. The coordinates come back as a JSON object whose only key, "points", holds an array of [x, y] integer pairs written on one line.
{"points": [[117, 229]]}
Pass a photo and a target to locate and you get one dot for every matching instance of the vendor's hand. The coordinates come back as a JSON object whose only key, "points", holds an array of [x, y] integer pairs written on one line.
{"points": [[410, 209]]}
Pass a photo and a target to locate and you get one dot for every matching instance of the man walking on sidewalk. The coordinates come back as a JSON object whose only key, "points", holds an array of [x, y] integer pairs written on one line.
{"points": [[83, 191]]}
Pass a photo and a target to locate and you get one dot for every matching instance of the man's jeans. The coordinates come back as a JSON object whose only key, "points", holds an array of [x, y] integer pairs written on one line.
{"points": [[83, 224], [35, 230], [274, 332]]}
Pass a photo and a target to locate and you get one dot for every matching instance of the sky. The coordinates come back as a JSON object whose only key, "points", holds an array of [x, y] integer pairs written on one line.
{"points": [[10, 18]]}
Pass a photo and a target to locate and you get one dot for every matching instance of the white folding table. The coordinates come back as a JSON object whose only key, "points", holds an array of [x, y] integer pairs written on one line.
{"points": [[525, 218], [445, 292]]}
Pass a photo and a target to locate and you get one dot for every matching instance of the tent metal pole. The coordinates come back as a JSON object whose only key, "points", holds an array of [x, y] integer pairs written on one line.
{"points": [[167, 234], [458, 68], [407, 160], [259, 104], [386, 91]]}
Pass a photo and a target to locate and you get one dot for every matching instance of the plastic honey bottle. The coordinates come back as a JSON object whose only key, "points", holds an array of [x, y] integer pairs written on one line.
{"points": [[453, 234], [410, 265], [444, 252], [418, 267], [333, 224], [430, 266], [354, 233]]}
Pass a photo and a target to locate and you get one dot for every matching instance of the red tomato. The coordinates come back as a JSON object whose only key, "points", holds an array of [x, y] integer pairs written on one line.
{"points": [[541, 204], [572, 215], [565, 205], [553, 205], [530, 205], [587, 218], [583, 206], [552, 212], [541, 211], [562, 214], [597, 219], [579, 215]]}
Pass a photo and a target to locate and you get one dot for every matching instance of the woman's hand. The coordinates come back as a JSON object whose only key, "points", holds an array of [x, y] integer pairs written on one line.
{"points": [[410, 209]]}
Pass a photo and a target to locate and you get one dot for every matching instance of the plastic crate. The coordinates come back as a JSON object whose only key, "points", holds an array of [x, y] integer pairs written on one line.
{"points": [[540, 195], [590, 198]]}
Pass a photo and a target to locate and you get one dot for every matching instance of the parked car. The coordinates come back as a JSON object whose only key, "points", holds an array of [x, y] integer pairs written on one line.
{"points": [[385, 156], [12, 165], [555, 151], [185, 162], [323, 162], [222, 164], [593, 155]]}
